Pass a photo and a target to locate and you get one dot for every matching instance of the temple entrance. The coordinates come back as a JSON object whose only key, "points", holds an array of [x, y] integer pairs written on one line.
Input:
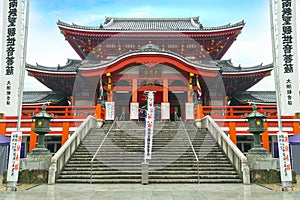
{"points": [[176, 101]]}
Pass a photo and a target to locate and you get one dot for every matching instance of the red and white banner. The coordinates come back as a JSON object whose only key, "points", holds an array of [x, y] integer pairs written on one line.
{"points": [[14, 156], [287, 57], [284, 157], [12, 56], [149, 125]]}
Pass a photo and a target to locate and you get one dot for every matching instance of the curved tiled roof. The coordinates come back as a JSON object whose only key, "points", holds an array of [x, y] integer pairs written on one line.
{"points": [[258, 97], [228, 68], [148, 24], [71, 66], [44, 97], [225, 65]]}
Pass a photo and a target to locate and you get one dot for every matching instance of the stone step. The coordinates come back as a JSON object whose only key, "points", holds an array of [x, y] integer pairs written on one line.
{"points": [[103, 181], [156, 172], [173, 161], [154, 165], [195, 180], [135, 168], [134, 157]]}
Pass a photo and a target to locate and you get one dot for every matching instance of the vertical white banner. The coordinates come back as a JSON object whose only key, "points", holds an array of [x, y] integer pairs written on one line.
{"points": [[189, 111], [149, 125], [287, 57], [14, 156], [12, 55], [284, 157], [110, 110], [134, 111], [165, 111]]}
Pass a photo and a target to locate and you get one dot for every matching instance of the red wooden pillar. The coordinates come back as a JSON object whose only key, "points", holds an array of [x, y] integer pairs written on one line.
{"points": [[232, 132], [296, 126], [3, 127], [98, 111], [200, 114], [134, 90], [265, 138], [165, 90], [65, 132], [33, 137]]}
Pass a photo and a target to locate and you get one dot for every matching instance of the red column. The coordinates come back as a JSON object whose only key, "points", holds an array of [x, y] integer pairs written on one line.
{"points": [[265, 138], [165, 90], [200, 114], [232, 132], [98, 111], [296, 126], [65, 132], [3, 127], [134, 90], [33, 138]]}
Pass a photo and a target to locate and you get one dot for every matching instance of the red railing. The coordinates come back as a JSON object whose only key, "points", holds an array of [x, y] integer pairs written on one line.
{"points": [[230, 118], [60, 112]]}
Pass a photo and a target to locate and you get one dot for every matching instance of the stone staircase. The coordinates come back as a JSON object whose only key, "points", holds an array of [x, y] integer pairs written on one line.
{"points": [[173, 161]]}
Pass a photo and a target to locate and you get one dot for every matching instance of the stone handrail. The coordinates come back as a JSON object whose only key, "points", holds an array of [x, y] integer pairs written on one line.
{"points": [[62, 156], [236, 157]]}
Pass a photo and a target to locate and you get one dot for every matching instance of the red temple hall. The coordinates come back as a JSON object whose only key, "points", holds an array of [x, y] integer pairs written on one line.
{"points": [[177, 58]]}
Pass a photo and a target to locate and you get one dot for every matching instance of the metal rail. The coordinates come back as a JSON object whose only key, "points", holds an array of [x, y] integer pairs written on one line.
{"points": [[191, 145], [100, 146]]}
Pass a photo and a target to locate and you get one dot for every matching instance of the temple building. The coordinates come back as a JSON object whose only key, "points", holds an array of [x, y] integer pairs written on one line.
{"points": [[177, 58]]}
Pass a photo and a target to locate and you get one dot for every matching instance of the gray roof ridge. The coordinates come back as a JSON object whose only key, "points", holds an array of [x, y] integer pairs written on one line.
{"points": [[229, 65], [152, 18], [64, 68], [194, 22]]}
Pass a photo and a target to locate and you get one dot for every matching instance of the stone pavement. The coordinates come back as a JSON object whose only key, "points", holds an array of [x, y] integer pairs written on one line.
{"points": [[151, 192]]}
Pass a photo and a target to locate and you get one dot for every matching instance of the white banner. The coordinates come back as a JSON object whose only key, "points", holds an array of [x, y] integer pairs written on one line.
{"points": [[134, 111], [14, 156], [110, 110], [284, 157], [189, 111], [287, 57], [149, 125], [12, 55], [165, 111]]}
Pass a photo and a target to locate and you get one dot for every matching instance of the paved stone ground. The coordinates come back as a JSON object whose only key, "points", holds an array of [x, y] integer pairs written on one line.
{"points": [[275, 187], [149, 192]]}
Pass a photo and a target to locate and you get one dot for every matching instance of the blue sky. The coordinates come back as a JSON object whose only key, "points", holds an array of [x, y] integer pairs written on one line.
{"points": [[47, 46]]}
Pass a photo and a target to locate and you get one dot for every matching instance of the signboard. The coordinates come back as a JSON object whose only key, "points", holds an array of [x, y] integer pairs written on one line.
{"points": [[150, 73], [110, 110], [284, 157], [12, 56], [14, 157], [165, 111], [189, 111], [287, 57], [134, 111]]}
